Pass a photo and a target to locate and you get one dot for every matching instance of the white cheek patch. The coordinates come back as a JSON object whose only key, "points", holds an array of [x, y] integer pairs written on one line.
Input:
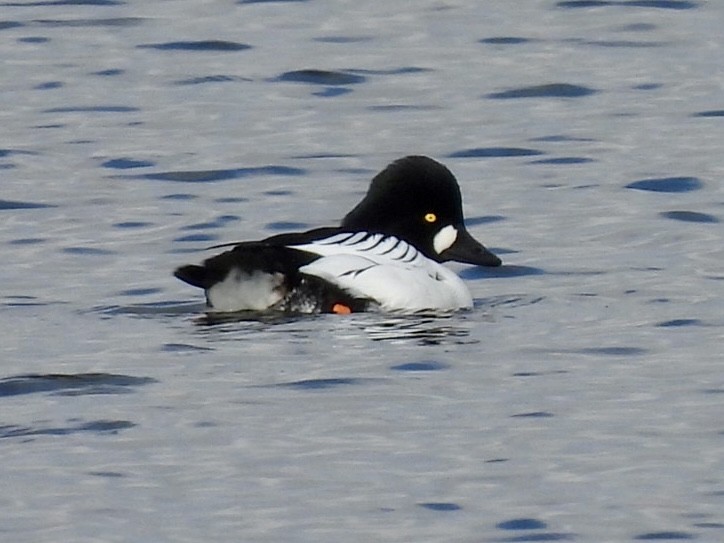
{"points": [[444, 238]]}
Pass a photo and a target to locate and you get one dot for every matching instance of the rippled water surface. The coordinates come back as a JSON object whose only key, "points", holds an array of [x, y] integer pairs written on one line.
{"points": [[581, 400]]}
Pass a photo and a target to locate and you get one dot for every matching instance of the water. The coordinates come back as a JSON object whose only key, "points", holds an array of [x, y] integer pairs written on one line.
{"points": [[581, 400]]}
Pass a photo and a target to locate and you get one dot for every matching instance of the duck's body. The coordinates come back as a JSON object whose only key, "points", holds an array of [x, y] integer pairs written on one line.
{"points": [[386, 255]]}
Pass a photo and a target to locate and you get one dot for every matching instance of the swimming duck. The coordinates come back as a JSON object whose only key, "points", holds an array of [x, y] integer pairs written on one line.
{"points": [[386, 255]]}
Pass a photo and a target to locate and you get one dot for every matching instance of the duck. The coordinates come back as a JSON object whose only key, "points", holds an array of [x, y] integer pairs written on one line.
{"points": [[386, 255]]}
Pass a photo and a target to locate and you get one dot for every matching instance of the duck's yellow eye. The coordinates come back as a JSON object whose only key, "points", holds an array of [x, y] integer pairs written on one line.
{"points": [[430, 217]]}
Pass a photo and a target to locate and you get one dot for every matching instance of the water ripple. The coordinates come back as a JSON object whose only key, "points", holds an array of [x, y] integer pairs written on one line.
{"points": [[631, 44], [505, 40], [324, 384], [218, 222], [440, 506], [392, 71], [115, 21], [421, 366], [342, 39], [494, 152], [331, 92], [76, 384], [423, 330], [710, 113], [210, 79], [615, 351], [521, 524], [675, 323], [10, 204], [321, 77], [547, 536], [87, 251], [661, 4], [200, 45], [92, 109], [690, 216], [286, 226], [97, 426], [268, 1], [48, 85], [126, 163], [664, 536], [65, 3], [483, 219], [667, 184], [211, 176], [551, 90], [565, 160], [112, 72]]}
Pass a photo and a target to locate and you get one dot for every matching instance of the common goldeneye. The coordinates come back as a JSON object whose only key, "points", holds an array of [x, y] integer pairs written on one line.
{"points": [[385, 255]]}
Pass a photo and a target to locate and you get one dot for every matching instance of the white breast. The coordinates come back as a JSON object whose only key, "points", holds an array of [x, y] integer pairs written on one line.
{"points": [[388, 270]]}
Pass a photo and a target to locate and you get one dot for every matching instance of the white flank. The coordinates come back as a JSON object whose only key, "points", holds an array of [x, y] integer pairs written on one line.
{"points": [[240, 291], [444, 238], [389, 271]]}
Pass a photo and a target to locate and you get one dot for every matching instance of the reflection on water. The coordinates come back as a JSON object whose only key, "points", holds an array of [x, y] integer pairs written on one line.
{"points": [[151, 310], [428, 328], [422, 329]]}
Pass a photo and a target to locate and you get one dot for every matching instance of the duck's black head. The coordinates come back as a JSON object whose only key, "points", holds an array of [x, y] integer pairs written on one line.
{"points": [[418, 199]]}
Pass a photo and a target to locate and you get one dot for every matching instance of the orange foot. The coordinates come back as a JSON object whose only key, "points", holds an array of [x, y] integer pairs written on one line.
{"points": [[341, 309]]}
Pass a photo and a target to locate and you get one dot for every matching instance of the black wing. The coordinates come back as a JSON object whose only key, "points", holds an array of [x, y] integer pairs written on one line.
{"points": [[290, 238], [248, 256]]}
